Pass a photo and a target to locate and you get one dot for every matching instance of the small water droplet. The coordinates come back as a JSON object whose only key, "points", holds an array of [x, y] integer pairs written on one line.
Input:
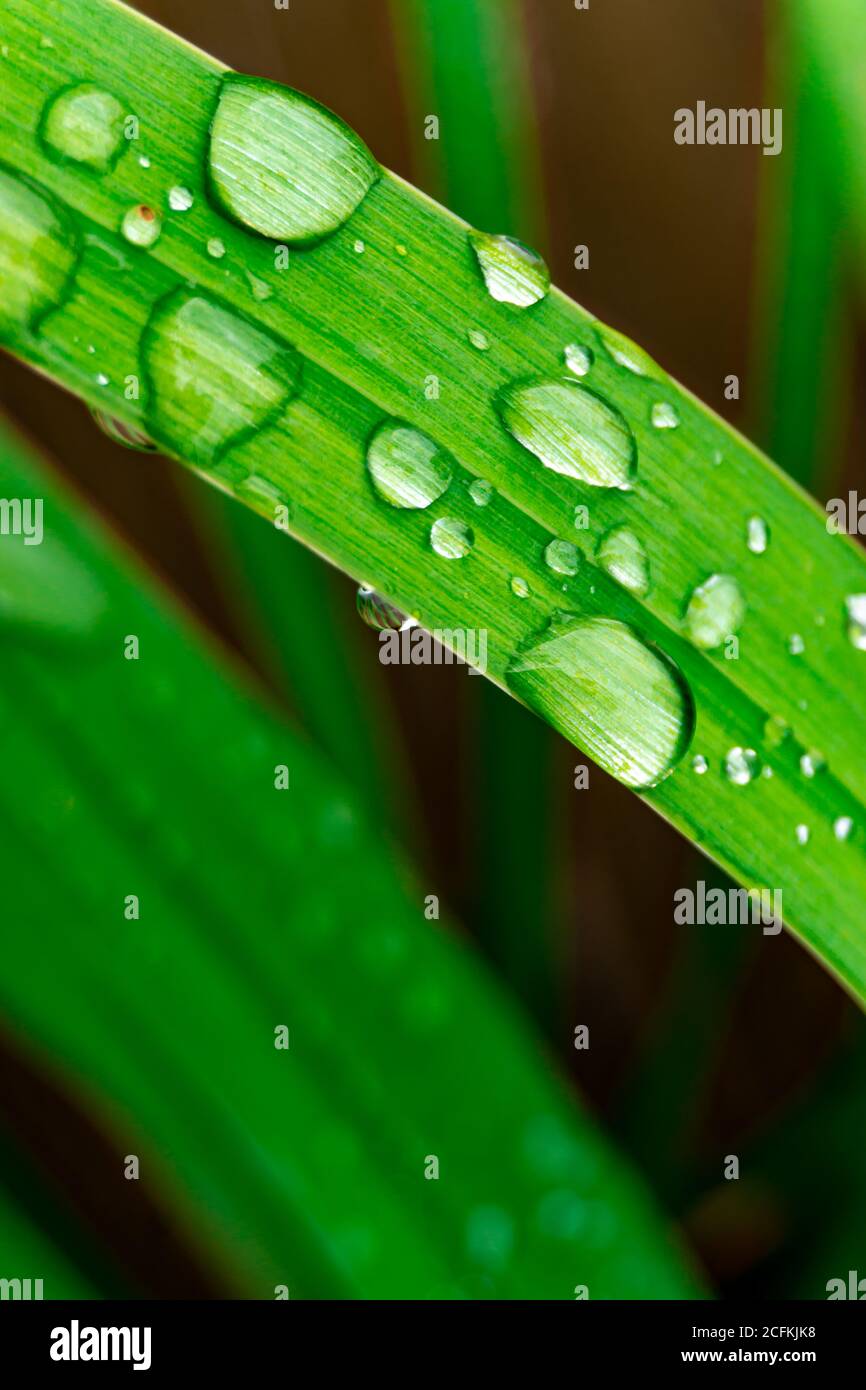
{"points": [[481, 491], [141, 225], [812, 762], [377, 612], [283, 165], [519, 586], [478, 339], [757, 535], [627, 354], [359, 248], [562, 557], [715, 611], [622, 556], [401, 249], [513, 273], [610, 693], [144, 161], [83, 124], [842, 827], [802, 833], [571, 430], [216, 248], [121, 433], [776, 730], [38, 254], [102, 379], [407, 468], [664, 417], [796, 645], [180, 199], [578, 359], [717, 458], [700, 764], [855, 605], [215, 378], [450, 538], [260, 290], [742, 766]]}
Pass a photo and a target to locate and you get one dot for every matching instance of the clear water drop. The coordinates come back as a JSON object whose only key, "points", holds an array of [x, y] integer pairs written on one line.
{"points": [[215, 378], [141, 226], [855, 605], [216, 248], [179, 198], [128, 436], [571, 430], [627, 354], [742, 766], [478, 339], [715, 611], [776, 730], [621, 555], [282, 165], [519, 586], [842, 827], [259, 289], [513, 273], [562, 557], [84, 125], [407, 468], [578, 359], [812, 762], [700, 764], [796, 645], [757, 535], [377, 612], [38, 255], [610, 693], [481, 491], [451, 538], [358, 247], [803, 834], [664, 417], [143, 161]]}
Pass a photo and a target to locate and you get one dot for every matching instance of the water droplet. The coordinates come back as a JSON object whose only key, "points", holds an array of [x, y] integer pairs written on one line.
{"points": [[401, 249], [481, 491], [856, 608], [478, 339], [260, 290], [121, 433], [742, 766], [38, 254], [359, 248], [215, 378], [513, 273], [180, 199], [102, 379], [757, 535], [578, 359], [450, 538], [715, 611], [141, 225], [776, 730], [812, 762], [144, 162], [700, 764], [216, 248], [796, 645], [377, 612], [664, 417], [627, 354], [842, 827], [622, 556], [47, 590], [83, 124], [519, 587], [609, 692], [571, 430], [562, 557], [802, 833], [283, 165], [407, 468]]}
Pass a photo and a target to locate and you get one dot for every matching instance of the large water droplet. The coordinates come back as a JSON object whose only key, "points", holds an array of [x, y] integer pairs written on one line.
{"points": [[122, 433], [377, 612], [664, 417], [283, 165], [571, 430], [622, 556], [38, 254], [141, 225], [601, 685], [215, 378], [513, 273], [481, 491], [84, 124], [46, 590], [742, 766], [562, 557], [179, 198], [407, 468], [627, 354], [715, 611], [451, 538], [578, 359]]}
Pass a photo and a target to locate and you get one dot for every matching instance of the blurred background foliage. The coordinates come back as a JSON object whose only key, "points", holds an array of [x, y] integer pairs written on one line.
{"points": [[555, 126]]}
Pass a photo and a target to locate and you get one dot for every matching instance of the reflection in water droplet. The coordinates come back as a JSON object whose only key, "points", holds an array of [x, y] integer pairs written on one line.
{"points": [[578, 359], [141, 225], [377, 612], [407, 468], [519, 586], [513, 273], [122, 433], [855, 605], [38, 254], [842, 827], [622, 556], [715, 611], [742, 766], [450, 538], [664, 417], [481, 491], [600, 684], [45, 589], [283, 165], [627, 354], [83, 124], [215, 377], [571, 430], [757, 535], [179, 199], [562, 557]]}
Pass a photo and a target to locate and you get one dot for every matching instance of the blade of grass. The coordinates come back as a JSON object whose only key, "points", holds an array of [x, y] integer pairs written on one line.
{"points": [[27, 1253], [372, 326]]}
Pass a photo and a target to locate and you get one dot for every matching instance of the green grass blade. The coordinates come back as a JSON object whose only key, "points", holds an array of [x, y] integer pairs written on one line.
{"points": [[372, 326], [27, 1253]]}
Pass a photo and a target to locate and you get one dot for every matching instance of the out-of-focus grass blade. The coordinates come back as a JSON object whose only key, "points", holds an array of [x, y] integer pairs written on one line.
{"points": [[26, 1253], [173, 908]]}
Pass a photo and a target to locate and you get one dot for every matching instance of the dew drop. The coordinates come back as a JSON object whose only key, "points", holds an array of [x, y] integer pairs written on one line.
{"points": [[622, 556], [519, 586], [282, 165], [776, 730], [715, 611], [38, 254], [180, 199], [513, 273], [742, 766], [216, 248], [627, 354], [796, 645], [609, 692], [144, 162], [141, 225], [102, 379], [803, 834], [450, 538], [562, 557], [407, 468], [664, 417], [699, 764], [377, 612], [481, 491], [83, 124], [122, 433], [571, 430], [812, 763], [478, 339], [757, 535], [578, 359], [855, 605], [842, 827], [215, 378], [259, 289]]}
